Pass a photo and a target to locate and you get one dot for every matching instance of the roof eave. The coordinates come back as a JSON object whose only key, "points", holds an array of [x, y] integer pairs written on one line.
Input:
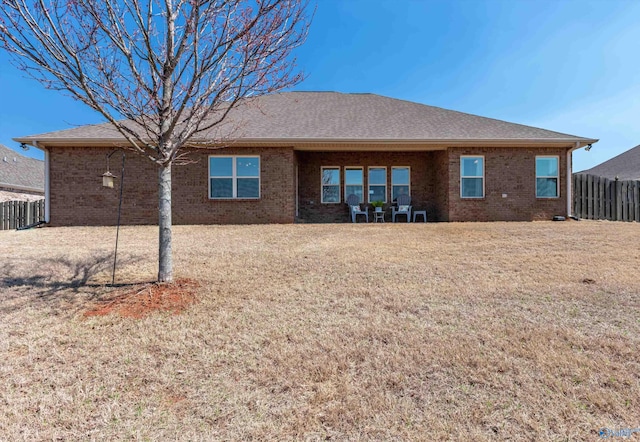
{"points": [[41, 143], [21, 187]]}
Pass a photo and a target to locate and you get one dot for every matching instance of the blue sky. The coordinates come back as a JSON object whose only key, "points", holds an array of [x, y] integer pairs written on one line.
{"points": [[565, 65]]}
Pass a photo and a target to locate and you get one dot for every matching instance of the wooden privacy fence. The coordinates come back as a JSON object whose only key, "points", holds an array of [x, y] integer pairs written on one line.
{"points": [[596, 197], [17, 214]]}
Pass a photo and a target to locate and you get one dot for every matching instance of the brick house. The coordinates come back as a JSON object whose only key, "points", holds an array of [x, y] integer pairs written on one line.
{"points": [[296, 156]]}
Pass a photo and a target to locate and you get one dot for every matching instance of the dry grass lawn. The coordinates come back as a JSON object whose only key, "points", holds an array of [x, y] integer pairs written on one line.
{"points": [[488, 331]]}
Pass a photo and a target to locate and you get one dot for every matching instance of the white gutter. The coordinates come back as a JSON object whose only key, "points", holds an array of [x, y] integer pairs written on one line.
{"points": [[47, 193], [112, 142], [18, 187]]}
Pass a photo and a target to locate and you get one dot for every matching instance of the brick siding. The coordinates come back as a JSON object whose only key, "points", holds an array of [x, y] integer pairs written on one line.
{"points": [[78, 198], [441, 197], [509, 171]]}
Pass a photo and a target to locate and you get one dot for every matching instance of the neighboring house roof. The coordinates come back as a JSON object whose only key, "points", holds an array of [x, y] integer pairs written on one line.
{"points": [[625, 166], [20, 172], [339, 117], [5, 195]]}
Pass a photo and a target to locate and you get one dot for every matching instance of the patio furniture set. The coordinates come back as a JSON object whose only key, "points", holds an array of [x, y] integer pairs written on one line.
{"points": [[402, 207]]}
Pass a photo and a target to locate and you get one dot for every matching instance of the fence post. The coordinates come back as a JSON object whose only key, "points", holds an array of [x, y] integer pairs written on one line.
{"points": [[618, 201], [601, 199], [633, 201], [574, 200], [607, 198], [576, 196], [585, 197], [630, 208], [590, 196], [12, 215], [625, 195], [625, 200], [594, 195], [29, 214], [581, 197], [614, 201], [636, 201], [632, 205]]}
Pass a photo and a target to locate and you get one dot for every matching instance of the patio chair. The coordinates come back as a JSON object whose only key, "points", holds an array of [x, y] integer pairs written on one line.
{"points": [[403, 207], [354, 208]]}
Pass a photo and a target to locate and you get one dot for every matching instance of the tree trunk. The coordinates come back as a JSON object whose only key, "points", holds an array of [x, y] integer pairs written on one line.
{"points": [[165, 260]]}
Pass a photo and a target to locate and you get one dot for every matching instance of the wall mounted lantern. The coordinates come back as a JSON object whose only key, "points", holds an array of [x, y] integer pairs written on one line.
{"points": [[108, 179]]}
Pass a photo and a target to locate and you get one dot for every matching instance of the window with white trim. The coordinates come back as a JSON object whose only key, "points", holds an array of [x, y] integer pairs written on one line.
{"points": [[547, 177], [377, 184], [400, 182], [353, 182], [472, 177], [330, 177], [234, 177]]}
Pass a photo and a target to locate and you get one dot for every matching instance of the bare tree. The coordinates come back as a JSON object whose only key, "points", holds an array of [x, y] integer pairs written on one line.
{"points": [[160, 71]]}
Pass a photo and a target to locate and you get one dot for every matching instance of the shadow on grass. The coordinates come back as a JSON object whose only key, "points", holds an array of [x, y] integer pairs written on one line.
{"points": [[61, 285]]}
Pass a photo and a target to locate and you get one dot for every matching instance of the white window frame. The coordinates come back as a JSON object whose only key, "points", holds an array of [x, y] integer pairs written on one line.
{"points": [[234, 177], [361, 169], [392, 184], [378, 185], [484, 167], [322, 185], [557, 177]]}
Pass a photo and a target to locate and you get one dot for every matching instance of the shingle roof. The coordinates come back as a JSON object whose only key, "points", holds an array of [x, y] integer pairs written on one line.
{"points": [[18, 170], [318, 116], [625, 166]]}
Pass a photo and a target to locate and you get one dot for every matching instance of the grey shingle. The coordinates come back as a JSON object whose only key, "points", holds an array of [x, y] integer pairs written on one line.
{"points": [[337, 116], [625, 166], [18, 170]]}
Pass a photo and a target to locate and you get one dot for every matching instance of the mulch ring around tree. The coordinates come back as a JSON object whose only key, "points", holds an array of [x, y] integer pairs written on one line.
{"points": [[144, 299]]}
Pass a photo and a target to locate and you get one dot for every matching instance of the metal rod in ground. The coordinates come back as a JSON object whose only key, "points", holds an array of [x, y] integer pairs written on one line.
{"points": [[115, 252]]}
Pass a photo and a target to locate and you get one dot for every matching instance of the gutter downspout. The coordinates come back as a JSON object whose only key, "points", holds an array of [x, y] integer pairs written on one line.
{"points": [[47, 193], [570, 177]]}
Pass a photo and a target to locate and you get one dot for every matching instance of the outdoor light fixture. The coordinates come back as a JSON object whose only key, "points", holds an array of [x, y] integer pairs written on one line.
{"points": [[24, 146], [108, 179], [588, 148]]}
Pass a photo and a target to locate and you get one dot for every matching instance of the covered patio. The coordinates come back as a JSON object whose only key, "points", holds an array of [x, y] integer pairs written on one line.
{"points": [[326, 178]]}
